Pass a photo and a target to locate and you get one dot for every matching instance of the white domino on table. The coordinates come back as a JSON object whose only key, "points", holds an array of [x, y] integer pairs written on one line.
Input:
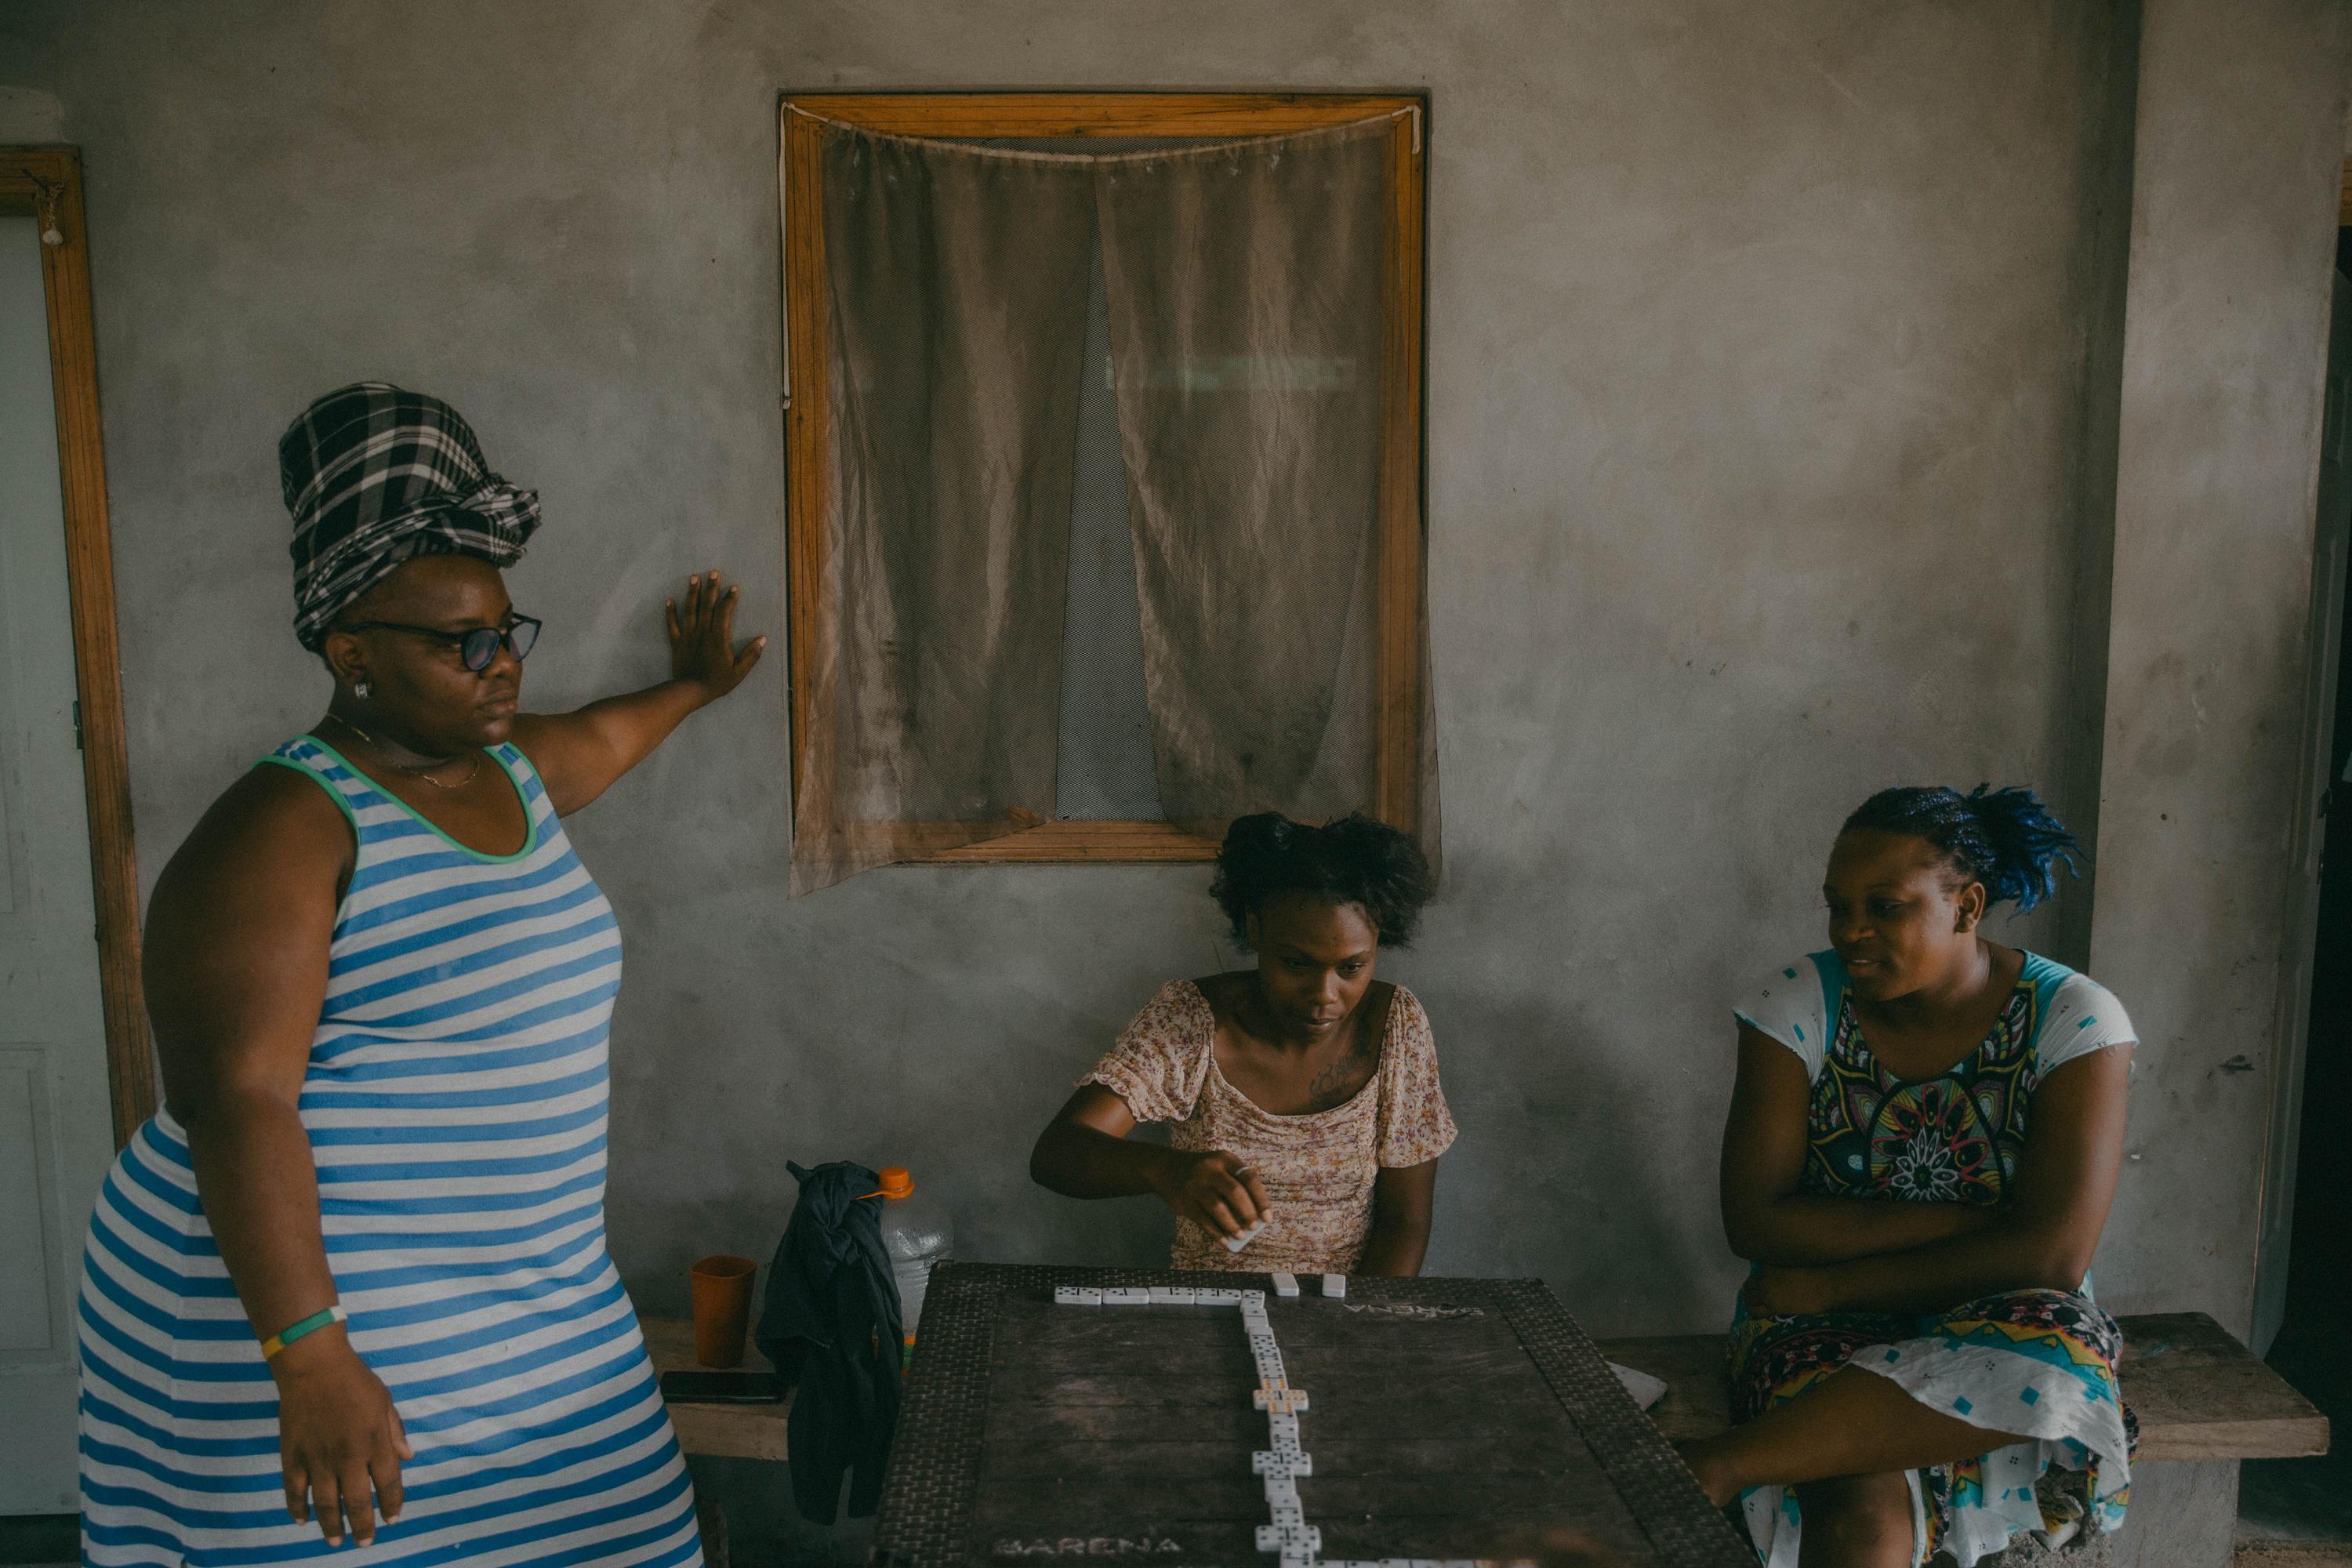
{"points": [[1077, 1295], [1335, 1286], [1284, 1283], [1125, 1296], [1235, 1243], [1274, 1537]]}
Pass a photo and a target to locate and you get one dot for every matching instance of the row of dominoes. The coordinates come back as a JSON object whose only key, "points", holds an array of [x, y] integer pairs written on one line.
{"points": [[1284, 1284], [1283, 1461], [1152, 1295]]}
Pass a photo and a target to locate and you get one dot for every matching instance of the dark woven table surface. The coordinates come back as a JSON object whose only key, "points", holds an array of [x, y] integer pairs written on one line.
{"points": [[1451, 1419]]}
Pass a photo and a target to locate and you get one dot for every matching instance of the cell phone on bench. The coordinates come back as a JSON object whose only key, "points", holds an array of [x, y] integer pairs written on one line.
{"points": [[722, 1388]]}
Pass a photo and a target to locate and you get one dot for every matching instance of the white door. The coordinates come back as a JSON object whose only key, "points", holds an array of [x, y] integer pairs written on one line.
{"points": [[56, 1133]]}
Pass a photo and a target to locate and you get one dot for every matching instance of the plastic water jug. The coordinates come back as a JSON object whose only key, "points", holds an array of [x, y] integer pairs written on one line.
{"points": [[919, 1237]]}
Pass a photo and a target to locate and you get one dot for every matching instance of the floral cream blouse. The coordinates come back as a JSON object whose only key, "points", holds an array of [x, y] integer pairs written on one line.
{"points": [[1317, 1168]]}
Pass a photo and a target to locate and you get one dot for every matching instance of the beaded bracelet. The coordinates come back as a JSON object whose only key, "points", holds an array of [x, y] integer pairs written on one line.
{"points": [[287, 1335]]}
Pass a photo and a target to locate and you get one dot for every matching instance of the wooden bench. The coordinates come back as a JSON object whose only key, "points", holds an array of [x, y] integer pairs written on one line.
{"points": [[2203, 1400], [2199, 1393]]}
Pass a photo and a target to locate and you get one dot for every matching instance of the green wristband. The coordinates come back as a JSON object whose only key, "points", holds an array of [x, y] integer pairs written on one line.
{"points": [[310, 1325]]}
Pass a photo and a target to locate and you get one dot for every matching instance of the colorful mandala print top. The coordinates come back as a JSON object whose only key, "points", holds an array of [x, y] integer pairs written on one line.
{"points": [[1953, 1138]]}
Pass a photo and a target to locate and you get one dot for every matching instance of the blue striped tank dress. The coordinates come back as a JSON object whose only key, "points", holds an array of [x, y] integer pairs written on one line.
{"points": [[456, 1101]]}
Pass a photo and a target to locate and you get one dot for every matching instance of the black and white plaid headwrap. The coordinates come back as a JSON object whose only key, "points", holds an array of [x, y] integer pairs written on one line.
{"points": [[376, 476]]}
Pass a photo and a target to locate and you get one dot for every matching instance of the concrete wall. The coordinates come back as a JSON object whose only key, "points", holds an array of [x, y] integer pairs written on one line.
{"points": [[2239, 144], [1758, 443]]}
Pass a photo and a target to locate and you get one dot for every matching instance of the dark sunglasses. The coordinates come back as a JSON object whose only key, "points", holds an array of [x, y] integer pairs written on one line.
{"points": [[477, 647]]}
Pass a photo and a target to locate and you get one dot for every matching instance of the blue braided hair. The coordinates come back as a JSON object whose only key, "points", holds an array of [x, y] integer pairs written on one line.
{"points": [[2005, 839]]}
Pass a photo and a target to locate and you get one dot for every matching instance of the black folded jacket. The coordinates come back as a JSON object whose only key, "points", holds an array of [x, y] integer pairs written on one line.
{"points": [[830, 1323]]}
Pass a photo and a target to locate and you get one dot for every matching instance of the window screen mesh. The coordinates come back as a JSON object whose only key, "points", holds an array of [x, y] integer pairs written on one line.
{"points": [[1106, 765]]}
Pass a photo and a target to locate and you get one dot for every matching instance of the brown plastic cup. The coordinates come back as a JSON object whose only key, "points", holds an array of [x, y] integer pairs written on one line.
{"points": [[722, 1307]]}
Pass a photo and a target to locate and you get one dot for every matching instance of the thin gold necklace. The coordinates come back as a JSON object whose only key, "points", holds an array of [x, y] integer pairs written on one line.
{"points": [[413, 772]]}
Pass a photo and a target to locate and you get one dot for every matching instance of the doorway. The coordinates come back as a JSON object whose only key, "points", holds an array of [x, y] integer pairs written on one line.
{"points": [[2310, 1500], [75, 1073]]}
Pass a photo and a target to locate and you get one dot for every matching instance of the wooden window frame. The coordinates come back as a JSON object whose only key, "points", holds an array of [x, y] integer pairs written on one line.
{"points": [[47, 183], [1398, 673]]}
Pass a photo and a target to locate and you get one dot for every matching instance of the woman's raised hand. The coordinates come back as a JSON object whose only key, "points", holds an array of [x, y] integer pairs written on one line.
{"points": [[339, 1438], [702, 638], [1214, 1190]]}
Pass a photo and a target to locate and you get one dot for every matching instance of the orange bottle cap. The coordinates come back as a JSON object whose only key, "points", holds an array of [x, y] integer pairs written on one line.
{"points": [[897, 1182]]}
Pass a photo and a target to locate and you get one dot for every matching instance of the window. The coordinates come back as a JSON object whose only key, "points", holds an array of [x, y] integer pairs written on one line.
{"points": [[1043, 740]]}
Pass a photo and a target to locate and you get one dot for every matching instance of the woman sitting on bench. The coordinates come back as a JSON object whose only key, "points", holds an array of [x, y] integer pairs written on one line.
{"points": [[1922, 1146], [1303, 1094]]}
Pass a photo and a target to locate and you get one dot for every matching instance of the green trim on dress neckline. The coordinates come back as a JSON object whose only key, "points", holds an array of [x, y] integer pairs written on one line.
{"points": [[531, 840]]}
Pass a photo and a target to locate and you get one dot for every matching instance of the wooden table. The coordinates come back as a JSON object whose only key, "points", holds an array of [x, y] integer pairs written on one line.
{"points": [[1448, 1419]]}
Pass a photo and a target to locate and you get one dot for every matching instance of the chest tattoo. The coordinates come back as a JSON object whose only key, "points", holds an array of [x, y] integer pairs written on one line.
{"points": [[1339, 1079]]}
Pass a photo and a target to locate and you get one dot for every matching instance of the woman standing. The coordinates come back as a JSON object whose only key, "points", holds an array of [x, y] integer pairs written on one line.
{"points": [[1923, 1143], [356, 1264], [1303, 1093]]}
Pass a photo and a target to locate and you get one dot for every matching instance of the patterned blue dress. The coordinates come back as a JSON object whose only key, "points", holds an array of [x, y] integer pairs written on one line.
{"points": [[2037, 1363], [455, 1102]]}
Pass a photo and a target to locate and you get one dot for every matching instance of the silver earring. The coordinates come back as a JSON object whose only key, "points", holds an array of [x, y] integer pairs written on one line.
{"points": [[363, 691]]}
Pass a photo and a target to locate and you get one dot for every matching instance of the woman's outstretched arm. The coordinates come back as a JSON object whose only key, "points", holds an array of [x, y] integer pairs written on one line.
{"points": [[579, 754], [1085, 1153], [2041, 1237], [1766, 1218]]}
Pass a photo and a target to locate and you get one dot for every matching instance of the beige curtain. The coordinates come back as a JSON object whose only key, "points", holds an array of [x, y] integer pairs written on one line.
{"points": [[1244, 284], [958, 317], [1245, 288]]}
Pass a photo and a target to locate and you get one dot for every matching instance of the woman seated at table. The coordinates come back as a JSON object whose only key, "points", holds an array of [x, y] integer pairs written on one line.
{"points": [[1301, 1094], [1923, 1142]]}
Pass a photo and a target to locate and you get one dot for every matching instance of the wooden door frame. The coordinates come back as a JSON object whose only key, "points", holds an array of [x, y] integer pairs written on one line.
{"points": [[1401, 566], [47, 183]]}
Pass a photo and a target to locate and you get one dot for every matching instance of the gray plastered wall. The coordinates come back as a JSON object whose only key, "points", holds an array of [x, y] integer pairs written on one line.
{"points": [[1767, 347]]}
